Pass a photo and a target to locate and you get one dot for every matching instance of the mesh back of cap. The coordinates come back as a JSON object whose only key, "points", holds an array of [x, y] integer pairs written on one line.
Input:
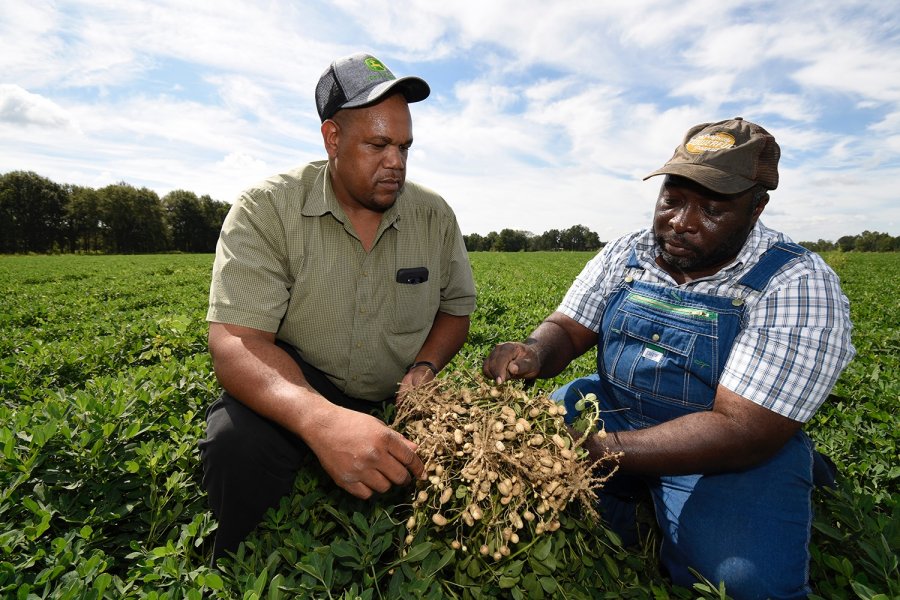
{"points": [[767, 166], [329, 95]]}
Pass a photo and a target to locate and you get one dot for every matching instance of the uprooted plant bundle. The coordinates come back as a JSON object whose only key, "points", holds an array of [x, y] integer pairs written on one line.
{"points": [[501, 465]]}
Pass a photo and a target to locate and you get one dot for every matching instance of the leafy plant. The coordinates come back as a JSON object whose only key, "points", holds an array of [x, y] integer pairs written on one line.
{"points": [[105, 377]]}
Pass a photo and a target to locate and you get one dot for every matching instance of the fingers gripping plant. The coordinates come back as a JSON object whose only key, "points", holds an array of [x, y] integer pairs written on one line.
{"points": [[501, 465]]}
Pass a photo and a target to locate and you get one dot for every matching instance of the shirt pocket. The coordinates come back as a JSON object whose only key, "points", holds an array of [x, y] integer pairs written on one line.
{"points": [[415, 305]]}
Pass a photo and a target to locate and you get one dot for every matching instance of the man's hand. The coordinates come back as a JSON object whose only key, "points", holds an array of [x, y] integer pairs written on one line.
{"points": [[414, 378], [363, 455], [549, 349], [511, 360], [736, 434]]}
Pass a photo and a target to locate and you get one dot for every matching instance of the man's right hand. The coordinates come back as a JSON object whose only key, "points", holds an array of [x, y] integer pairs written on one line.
{"points": [[363, 455], [511, 360], [358, 451]]}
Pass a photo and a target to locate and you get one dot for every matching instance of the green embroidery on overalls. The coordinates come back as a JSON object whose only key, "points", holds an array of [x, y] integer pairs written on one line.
{"points": [[674, 308]]}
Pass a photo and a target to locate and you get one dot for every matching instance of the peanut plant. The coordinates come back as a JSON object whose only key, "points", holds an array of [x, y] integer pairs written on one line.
{"points": [[105, 376]]}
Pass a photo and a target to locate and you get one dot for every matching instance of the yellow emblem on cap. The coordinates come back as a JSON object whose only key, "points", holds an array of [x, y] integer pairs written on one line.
{"points": [[709, 142], [375, 65]]}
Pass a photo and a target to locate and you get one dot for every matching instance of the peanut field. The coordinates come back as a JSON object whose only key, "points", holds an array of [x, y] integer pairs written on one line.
{"points": [[105, 377]]}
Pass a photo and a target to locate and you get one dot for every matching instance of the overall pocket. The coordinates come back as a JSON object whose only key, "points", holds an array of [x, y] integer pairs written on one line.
{"points": [[662, 351]]}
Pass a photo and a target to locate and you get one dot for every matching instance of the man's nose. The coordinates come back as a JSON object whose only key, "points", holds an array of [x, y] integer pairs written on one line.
{"points": [[394, 157], [685, 219]]}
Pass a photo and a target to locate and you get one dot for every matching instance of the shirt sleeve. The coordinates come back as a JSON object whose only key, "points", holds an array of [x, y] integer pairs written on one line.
{"points": [[458, 284], [795, 344], [250, 282], [586, 298]]}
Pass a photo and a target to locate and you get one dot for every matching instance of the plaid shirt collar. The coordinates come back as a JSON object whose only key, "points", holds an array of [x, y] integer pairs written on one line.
{"points": [[647, 250]]}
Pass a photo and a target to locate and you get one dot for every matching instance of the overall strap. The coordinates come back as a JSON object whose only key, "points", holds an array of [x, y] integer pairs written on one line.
{"points": [[780, 254]]}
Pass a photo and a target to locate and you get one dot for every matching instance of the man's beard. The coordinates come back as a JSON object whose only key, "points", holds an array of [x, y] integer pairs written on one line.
{"points": [[698, 260]]}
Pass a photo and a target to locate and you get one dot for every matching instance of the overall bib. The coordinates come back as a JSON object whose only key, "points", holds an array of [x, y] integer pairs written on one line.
{"points": [[660, 353]]}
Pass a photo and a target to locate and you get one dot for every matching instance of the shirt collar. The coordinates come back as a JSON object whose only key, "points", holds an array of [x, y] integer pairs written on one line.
{"points": [[752, 247], [321, 201], [646, 249]]}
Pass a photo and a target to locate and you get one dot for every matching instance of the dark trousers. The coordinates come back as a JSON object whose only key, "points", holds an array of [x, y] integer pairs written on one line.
{"points": [[250, 462]]}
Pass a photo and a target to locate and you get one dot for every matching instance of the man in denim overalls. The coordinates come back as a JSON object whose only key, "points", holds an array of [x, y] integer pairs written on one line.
{"points": [[717, 338]]}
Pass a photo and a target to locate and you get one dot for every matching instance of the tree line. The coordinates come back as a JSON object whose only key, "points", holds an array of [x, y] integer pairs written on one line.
{"points": [[39, 215], [580, 237], [577, 237], [867, 241]]}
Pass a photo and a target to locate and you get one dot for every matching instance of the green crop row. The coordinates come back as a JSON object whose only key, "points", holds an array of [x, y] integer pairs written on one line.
{"points": [[104, 379]]}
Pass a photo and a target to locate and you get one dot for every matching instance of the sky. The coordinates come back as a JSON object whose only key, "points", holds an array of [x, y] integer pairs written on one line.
{"points": [[542, 115]]}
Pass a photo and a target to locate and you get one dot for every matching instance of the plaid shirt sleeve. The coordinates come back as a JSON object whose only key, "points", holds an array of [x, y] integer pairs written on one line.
{"points": [[587, 296], [795, 343]]}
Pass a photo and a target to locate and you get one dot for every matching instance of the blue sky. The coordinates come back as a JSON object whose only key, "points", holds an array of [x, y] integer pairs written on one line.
{"points": [[542, 114]]}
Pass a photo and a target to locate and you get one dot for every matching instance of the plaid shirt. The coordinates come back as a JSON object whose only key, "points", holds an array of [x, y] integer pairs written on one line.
{"points": [[795, 335]]}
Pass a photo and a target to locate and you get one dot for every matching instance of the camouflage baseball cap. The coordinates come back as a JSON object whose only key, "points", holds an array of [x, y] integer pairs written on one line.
{"points": [[361, 79], [727, 157]]}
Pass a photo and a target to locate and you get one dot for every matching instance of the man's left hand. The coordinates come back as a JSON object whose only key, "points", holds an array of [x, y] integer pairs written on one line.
{"points": [[414, 378]]}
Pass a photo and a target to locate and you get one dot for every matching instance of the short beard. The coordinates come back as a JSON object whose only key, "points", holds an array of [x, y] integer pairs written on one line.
{"points": [[718, 256]]}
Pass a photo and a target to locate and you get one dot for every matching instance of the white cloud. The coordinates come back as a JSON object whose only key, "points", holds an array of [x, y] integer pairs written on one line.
{"points": [[241, 94], [728, 47], [28, 43], [483, 98], [20, 107], [651, 24], [889, 124], [708, 89], [793, 107], [542, 114], [862, 72]]}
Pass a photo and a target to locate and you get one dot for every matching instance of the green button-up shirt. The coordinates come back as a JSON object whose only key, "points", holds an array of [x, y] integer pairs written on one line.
{"points": [[289, 262]]}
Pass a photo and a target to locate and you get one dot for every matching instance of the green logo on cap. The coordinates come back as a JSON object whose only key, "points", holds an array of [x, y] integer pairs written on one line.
{"points": [[375, 65]]}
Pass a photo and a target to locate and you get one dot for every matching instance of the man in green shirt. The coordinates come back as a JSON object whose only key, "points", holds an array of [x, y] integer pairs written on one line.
{"points": [[335, 286]]}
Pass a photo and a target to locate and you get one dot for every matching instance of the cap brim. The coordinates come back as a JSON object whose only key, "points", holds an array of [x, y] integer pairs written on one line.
{"points": [[713, 179], [414, 89]]}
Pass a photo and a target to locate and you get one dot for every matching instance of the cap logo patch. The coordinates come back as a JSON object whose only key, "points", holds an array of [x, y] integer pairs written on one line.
{"points": [[709, 142], [375, 65]]}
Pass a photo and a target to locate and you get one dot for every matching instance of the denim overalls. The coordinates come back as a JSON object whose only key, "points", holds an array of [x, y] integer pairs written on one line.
{"points": [[661, 351]]}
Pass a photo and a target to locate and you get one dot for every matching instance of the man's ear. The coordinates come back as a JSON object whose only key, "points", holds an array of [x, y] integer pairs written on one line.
{"points": [[760, 206], [331, 133]]}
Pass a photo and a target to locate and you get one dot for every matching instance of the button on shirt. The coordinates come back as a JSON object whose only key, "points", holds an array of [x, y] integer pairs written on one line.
{"points": [[795, 336], [289, 262]]}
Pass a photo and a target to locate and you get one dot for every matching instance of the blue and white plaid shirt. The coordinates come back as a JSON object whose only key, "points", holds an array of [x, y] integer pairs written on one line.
{"points": [[795, 336]]}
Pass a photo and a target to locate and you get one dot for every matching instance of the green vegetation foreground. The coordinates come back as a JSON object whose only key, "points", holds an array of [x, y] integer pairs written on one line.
{"points": [[104, 377]]}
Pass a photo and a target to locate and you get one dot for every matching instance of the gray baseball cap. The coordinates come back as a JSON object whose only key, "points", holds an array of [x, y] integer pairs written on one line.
{"points": [[359, 80], [727, 157]]}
